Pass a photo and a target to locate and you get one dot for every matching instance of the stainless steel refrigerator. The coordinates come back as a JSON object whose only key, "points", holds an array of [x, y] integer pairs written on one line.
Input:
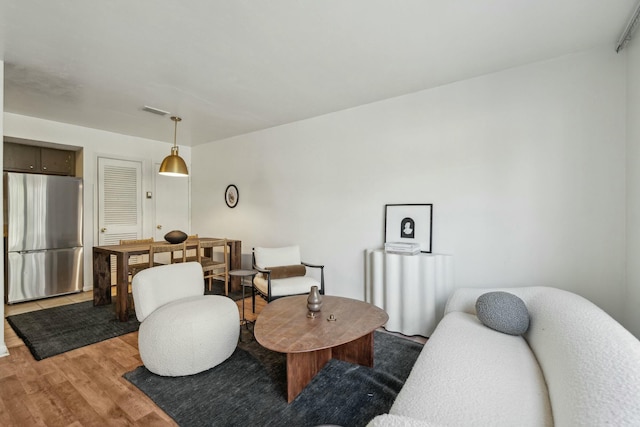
{"points": [[43, 232]]}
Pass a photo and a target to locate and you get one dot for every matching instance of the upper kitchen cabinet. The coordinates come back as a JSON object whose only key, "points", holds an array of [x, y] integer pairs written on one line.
{"points": [[59, 162], [21, 158], [35, 159]]}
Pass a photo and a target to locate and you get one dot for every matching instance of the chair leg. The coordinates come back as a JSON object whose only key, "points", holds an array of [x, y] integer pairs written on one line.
{"points": [[226, 285], [253, 299]]}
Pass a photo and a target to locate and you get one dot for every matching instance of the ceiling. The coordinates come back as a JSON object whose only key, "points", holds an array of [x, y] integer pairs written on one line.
{"points": [[232, 67]]}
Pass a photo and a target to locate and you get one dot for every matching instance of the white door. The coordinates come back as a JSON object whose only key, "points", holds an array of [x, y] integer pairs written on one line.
{"points": [[119, 200], [172, 204]]}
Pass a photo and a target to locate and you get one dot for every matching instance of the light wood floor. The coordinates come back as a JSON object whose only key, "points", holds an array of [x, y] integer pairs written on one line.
{"points": [[83, 387]]}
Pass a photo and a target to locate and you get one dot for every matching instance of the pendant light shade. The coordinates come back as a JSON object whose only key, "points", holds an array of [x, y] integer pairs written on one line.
{"points": [[173, 164]]}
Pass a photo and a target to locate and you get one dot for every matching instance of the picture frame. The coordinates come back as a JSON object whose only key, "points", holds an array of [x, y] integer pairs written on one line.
{"points": [[409, 223], [231, 196]]}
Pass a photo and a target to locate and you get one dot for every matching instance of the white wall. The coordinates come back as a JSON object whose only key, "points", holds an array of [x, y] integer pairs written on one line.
{"points": [[525, 169], [98, 143], [633, 187], [3, 346]]}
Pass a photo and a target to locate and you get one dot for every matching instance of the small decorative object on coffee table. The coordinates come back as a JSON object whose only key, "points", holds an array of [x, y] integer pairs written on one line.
{"points": [[314, 302]]}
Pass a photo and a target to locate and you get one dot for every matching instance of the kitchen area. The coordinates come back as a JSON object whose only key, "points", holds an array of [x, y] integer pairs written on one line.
{"points": [[88, 146], [43, 226]]}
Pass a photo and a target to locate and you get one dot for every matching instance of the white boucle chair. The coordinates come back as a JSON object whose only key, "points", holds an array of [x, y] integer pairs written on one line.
{"points": [[182, 331]]}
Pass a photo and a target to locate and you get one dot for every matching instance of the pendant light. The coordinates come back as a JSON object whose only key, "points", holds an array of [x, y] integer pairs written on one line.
{"points": [[173, 164]]}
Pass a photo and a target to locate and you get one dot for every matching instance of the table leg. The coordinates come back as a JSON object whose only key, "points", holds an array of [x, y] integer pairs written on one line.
{"points": [[101, 278], [235, 261], [302, 367], [122, 288], [243, 321], [359, 351]]}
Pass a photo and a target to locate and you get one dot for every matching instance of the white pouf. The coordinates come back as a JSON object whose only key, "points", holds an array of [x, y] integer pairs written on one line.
{"points": [[189, 335]]}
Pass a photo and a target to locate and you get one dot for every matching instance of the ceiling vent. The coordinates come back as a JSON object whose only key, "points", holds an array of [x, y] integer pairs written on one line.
{"points": [[154, 110], [628, 30]]}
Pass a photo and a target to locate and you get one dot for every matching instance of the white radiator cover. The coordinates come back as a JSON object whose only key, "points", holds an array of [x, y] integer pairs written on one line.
{"points": [[412, 289]]}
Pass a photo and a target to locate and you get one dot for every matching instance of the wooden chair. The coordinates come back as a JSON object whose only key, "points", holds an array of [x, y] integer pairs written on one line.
{"points": [[192, 254], [212, 267], [136, 263], [159, 248], [139, 262]]}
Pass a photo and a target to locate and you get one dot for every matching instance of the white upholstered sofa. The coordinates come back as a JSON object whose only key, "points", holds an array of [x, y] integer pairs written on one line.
{"points": [[575, 366]]}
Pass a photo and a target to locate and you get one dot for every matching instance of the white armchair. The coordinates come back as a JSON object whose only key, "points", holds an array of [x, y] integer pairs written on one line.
{"points": [[182, 331], [282, 273]]}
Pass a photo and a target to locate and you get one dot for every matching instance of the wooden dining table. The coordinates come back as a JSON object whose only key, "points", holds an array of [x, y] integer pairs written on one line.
{"points": [[102, 270]]}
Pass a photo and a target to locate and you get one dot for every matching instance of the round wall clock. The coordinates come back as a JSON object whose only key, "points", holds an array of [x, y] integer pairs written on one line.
{"points": [[231, 196]]}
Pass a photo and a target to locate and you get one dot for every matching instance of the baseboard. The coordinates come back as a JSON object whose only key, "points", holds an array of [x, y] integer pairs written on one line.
{"points": [[4, 351]]}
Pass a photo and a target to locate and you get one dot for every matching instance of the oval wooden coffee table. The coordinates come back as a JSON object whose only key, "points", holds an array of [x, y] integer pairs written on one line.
{"points": [[309, 343]]}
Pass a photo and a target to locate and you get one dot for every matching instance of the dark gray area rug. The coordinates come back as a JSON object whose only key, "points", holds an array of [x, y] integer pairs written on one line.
{"points": [[249, 389], [56, 330], [59, 329]]}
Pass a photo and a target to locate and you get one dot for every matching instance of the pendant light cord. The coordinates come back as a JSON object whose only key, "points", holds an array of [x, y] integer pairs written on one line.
{"points": [[175, 133], [175, 130]]}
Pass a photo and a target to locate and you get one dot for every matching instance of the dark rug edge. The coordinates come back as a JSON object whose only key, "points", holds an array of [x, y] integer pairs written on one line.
{"points": [[24, 338], [38, 356], [127, 376], [133, 372]]}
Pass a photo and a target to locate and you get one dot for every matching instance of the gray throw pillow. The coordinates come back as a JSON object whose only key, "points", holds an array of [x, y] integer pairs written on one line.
{"points": [[503, 312]]}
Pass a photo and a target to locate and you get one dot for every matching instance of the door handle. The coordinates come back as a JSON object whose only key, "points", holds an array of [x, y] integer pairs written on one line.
{"points": [[159, 227], [103, 229]]}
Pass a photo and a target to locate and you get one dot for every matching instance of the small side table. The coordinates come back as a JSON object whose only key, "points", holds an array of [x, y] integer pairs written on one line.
{"points": [[243, 274]]}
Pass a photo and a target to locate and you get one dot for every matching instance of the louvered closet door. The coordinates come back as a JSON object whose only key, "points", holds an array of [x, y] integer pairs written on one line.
{"points": [[119, 210], [119, 202]]}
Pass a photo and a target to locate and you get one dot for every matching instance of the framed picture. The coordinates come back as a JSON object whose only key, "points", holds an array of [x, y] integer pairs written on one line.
{"points": [[231, 196], [409, 224]]}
